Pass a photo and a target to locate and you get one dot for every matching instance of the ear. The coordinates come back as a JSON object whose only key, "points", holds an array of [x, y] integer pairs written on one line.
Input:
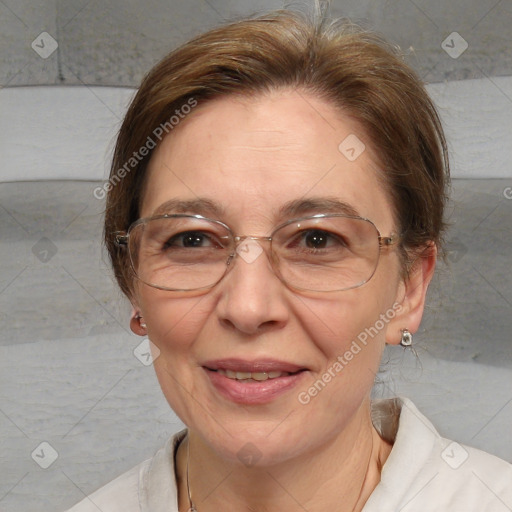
{"points": [[411, 295], [137, 324]]}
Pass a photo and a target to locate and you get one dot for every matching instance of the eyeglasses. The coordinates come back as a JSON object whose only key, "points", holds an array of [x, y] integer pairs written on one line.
{"points": [[320, 253]]}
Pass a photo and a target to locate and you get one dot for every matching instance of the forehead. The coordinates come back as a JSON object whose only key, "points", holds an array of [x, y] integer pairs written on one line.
{"points": [[250, 157]]}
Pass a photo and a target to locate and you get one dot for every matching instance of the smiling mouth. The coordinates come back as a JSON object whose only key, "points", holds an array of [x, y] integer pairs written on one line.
{"points": [[256, 376], [253, 382]]}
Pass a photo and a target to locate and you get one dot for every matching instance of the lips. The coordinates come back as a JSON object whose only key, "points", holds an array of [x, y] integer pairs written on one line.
{"points": [[253, 382]]}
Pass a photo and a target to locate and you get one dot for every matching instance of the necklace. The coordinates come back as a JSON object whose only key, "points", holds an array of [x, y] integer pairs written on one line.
{"points": [[192, 507]]}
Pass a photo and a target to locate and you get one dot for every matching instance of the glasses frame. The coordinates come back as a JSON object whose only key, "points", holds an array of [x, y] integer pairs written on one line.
{"points": [[121, 239]]}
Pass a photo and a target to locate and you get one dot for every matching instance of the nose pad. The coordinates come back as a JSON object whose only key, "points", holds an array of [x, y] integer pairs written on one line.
{"points": [[249, 249]]}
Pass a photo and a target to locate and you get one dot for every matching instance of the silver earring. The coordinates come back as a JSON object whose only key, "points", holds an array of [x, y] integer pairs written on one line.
{"points": [[406, 339]]}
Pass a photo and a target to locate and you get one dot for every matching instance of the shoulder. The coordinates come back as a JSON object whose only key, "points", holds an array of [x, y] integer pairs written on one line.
{"points": [[427, 472], [460, 478], [148, 487]]}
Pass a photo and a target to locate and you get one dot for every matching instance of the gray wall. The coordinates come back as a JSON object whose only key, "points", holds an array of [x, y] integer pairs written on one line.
{"points": [[114, 42]]}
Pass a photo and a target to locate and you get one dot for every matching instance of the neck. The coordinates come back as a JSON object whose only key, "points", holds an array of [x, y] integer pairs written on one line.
{"points": [[339, 476]]}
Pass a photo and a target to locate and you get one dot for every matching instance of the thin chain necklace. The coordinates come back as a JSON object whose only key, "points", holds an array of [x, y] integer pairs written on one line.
{"points": [[192, 507]]}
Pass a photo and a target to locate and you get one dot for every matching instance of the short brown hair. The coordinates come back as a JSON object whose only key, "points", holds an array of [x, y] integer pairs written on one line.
{"points": [[352, 68]]}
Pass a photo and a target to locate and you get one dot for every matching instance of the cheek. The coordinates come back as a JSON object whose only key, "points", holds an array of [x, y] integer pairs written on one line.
{"points": [[174, 322], [356, 315], [363, 313], [350, 335]]}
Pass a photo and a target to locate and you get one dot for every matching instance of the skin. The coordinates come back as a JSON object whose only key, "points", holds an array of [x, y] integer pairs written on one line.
{"points": [[250, 156]]}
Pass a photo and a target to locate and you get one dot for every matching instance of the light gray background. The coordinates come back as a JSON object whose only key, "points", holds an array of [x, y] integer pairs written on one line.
{"points": [[114, 42], [68, 373]]}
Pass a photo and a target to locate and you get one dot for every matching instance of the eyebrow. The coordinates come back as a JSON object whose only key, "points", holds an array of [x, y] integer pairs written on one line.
{"points": [[295, 208], [200, 206], [313, 205]]}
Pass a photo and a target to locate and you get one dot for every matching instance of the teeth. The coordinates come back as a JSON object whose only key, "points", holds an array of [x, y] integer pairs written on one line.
{"points": [[261, 376], [252, 375]]}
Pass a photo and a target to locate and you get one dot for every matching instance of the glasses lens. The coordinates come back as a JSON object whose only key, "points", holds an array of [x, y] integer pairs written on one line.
{"points": [[179, 252], [326, 253]]}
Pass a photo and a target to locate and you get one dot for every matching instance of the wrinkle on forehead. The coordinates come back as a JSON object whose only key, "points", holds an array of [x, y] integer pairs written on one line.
{"points": [[252, 156]]}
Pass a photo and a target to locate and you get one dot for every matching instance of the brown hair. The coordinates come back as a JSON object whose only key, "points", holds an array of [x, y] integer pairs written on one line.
{"points": [[353, 69]]}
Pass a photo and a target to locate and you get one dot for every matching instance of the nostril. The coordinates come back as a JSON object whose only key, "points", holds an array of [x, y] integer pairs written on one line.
{"points": [[225, 322], [250, 327]]}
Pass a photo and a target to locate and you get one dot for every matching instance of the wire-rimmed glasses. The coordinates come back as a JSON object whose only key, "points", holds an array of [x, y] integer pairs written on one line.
{"points": [[322, 253]]}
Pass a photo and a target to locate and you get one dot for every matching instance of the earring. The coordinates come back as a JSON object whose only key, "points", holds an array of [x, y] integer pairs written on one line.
{"points": [[141, 321], [406, 339]]}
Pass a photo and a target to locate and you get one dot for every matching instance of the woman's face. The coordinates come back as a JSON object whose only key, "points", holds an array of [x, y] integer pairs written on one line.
{"points": [[250, 157]]}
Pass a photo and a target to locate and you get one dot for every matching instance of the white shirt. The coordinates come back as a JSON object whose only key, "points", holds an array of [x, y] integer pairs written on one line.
{"points": [[423, 473]]}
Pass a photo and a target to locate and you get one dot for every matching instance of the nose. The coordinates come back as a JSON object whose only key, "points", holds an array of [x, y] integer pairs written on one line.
{"points": [[253, 299]]}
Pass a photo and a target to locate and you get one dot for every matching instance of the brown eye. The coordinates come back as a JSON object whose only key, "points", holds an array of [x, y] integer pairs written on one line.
{"points": [[189, 239], [321, 239], [316, 239]]}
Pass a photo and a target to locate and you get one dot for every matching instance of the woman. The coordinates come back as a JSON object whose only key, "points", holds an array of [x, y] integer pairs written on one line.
{"points": [[274, 215]]}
